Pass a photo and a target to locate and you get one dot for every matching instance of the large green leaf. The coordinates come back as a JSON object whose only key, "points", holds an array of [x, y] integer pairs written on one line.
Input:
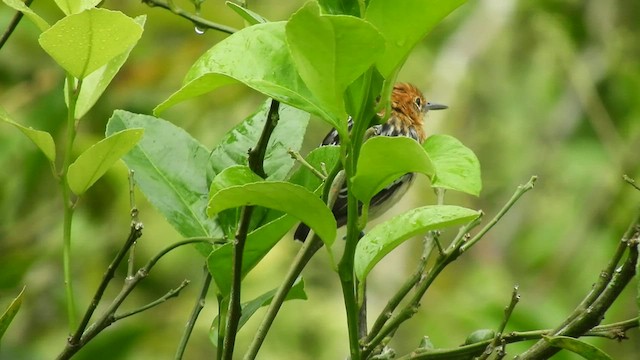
{"points": [[81, 43], [283, 196], [403, 24], [75, 6], [587, 351], [95, 83], [30, 14], [330, 52], [258, 57], [385, 237], [383, 159], [41, 139], [10, 313], [96, 160], [170, 169], [259, 242], [288, 134], [249, 308], [457, 167]]}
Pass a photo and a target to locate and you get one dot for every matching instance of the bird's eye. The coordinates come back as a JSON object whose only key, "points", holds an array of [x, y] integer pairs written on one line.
{"points": [[418, 102]]}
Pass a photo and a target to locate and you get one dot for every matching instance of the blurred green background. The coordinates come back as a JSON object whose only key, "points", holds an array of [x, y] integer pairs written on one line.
{"points": [[547, 88]]}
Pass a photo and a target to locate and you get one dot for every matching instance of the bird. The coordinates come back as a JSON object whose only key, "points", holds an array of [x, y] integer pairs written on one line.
{"points": [[408, 108]]}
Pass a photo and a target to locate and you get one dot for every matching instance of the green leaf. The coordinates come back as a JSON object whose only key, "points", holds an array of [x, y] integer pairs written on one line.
{"points": [[385, 237], [96, 160], [95, 83], [81, 43], [576, 346], [170, 169], [41, 139], [283, 196], [638, 272], [249, 16], [258, 57], [288, 134], [330, 52], [457, 167], [249, 308], [10, 313], [69, 7], [35, 18], [403, 24], [339, 7], [383, 159], [259, 242]]}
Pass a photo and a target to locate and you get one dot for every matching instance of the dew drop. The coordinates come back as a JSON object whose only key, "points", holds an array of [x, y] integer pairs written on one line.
{"points": [[199, 31]]}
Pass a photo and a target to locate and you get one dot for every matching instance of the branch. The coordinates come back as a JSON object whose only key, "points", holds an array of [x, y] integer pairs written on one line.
{"points": [[107, 318], [515, 298], [631, 182], [13, 25], [194, 314], [457, 247], [591, 311], [614, 331], [256, 164], [170, 294], [196, 20], [306, 252]]}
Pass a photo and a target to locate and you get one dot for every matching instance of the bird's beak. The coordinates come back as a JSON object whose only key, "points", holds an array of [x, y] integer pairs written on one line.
{"points": [[432, 106]]}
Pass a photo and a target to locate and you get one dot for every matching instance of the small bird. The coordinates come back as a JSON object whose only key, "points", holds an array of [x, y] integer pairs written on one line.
{"points": [[408, 107]]}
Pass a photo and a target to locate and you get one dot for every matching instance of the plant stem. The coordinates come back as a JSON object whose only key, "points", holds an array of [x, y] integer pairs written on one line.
{"points": [[196, 20], [514, 198], [465, 352], [457, 247], [584, 319], [235, 308], [256, 164], [515, 298], [134, 234], [108, 317], [13, 25], [73, 90], [194, 314], [306, 252]]}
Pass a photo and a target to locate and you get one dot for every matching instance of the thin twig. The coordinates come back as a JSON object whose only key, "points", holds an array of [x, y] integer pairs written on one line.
{"points": [[588, 318], [196, 20], [519, 192], [134, 234], [411, 282], [615, 331], [235, 308], [107, 318], [170, 294], [296, 156], [13, 25], [134, 218], [306, 252], [256, 164], [497, 339], [631, 182], [457, 247], [194, 314]]}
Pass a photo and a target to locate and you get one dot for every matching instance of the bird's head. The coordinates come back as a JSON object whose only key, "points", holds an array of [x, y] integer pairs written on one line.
{"points": [[408, 107]]}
